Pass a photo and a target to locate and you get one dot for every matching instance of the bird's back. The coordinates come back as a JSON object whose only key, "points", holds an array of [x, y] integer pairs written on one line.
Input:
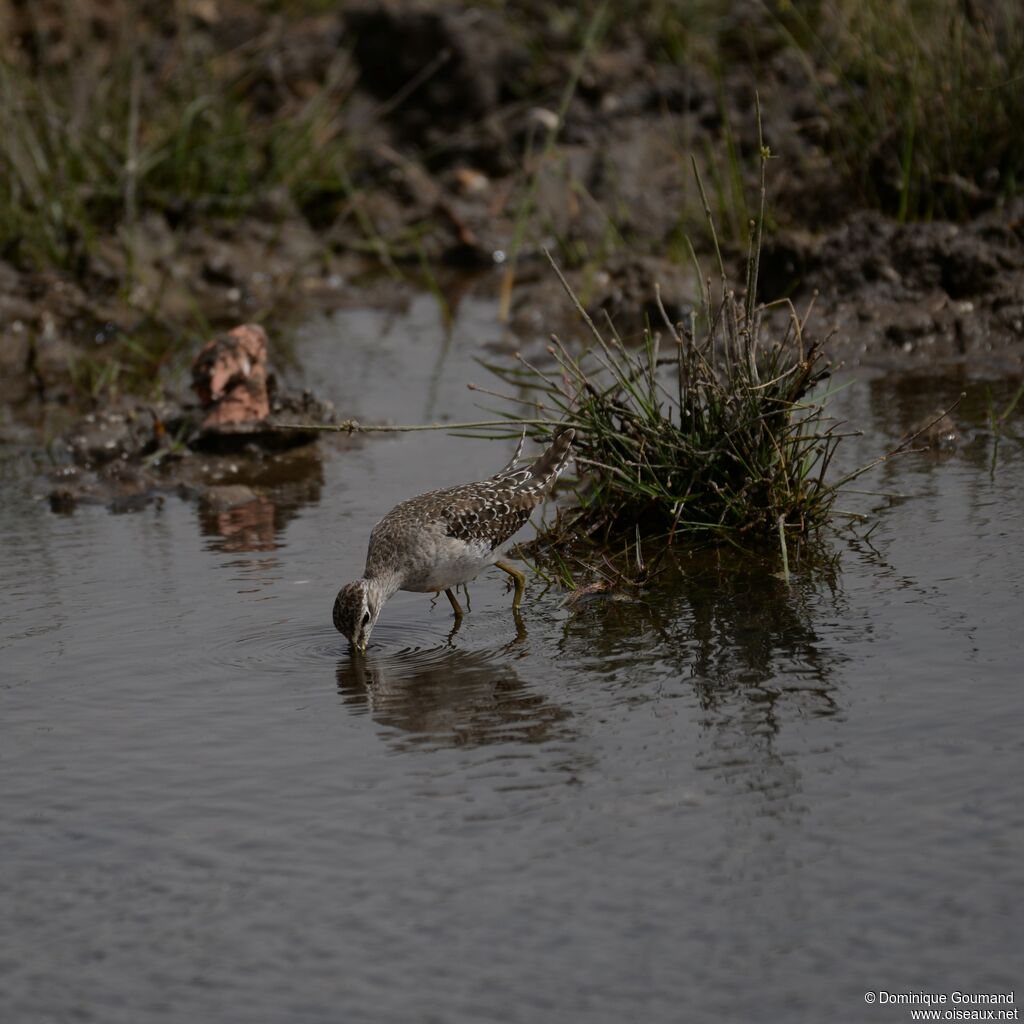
{"points": [[482, 515]]}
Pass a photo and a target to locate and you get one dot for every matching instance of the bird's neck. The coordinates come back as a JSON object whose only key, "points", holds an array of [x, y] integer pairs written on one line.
{"points": [[384, 584]]}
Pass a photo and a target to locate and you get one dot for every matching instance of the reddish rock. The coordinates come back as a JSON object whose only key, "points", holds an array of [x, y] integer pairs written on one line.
{"points": [[230, 377]]}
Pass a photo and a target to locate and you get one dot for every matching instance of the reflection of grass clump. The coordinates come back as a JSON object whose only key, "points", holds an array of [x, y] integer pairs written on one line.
{"points": [[712, 433]]}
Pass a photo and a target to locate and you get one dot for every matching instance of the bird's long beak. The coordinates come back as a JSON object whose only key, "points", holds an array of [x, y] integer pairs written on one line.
{"points": [[361, 647]]}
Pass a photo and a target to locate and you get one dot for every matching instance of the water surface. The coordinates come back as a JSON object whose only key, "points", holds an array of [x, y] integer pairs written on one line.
{"points": [[730, 801]]}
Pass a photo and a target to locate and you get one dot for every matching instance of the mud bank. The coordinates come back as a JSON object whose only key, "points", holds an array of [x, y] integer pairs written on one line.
{"points": [[239, 429], [458, 159]]}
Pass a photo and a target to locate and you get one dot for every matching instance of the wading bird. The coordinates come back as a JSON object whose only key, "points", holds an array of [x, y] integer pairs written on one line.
{"points": [[438, 540]]}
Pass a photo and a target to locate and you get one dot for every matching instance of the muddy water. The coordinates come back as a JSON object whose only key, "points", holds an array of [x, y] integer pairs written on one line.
{"points": [[731, 802]]}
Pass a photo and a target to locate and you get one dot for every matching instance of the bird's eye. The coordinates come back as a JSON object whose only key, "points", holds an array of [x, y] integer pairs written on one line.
{"points": [[366, 618]]}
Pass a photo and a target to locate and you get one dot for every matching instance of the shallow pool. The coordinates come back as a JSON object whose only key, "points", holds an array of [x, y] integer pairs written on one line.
{"points": [[731, 801]]}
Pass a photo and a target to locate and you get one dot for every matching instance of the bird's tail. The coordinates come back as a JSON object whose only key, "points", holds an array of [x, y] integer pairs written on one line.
{"points": [[548, 467], [544, 470], [512, 465]]}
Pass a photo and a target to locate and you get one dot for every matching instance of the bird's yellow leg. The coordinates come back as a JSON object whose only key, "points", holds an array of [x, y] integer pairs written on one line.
{"points": [[517, 618], [456, 607], [520, 581]]}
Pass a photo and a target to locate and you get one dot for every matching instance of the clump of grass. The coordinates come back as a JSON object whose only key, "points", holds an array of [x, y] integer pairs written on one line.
{"points": [[713, 433], [710, 430], [133, 364], [931, 98], [144, 121]]}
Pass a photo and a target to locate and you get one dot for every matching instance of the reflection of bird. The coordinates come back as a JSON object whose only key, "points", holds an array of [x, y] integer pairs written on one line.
{"points": [[438, 540], [446, 697]]}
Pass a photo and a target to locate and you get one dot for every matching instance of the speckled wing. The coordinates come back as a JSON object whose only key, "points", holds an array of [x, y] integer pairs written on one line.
{"points": [[483, 515], [488, 512], [492, 510]]}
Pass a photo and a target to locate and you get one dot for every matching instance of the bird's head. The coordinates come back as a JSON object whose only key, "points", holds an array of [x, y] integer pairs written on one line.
{"points": [[355, 611]]}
